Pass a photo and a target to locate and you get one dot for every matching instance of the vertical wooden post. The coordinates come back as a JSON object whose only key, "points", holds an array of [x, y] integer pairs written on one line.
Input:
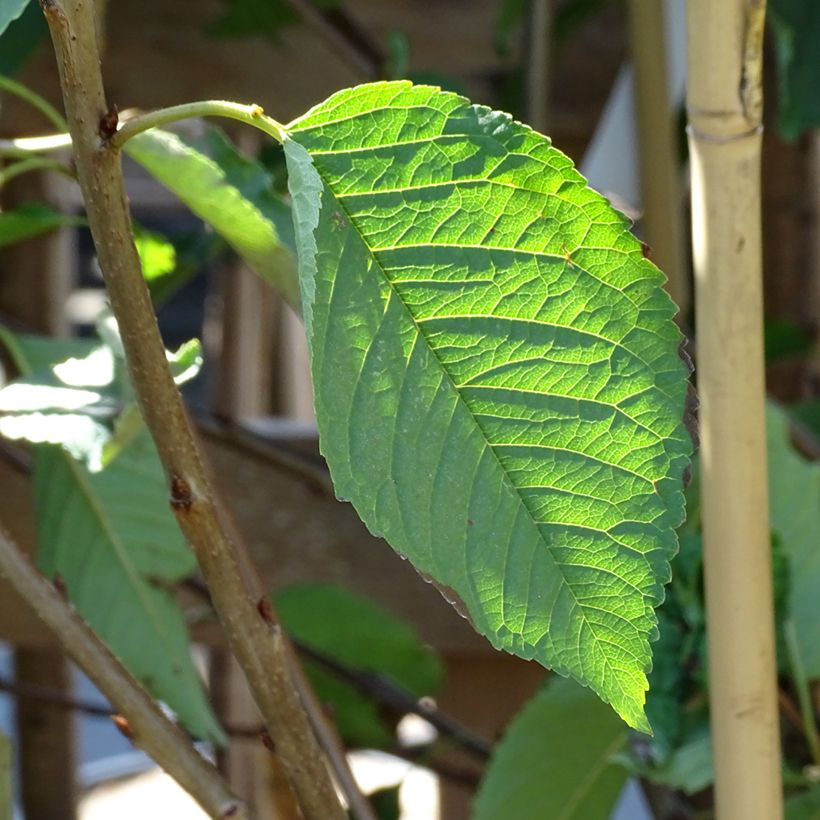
{"points": [[725, 106], [658, 147], [46, 739]]}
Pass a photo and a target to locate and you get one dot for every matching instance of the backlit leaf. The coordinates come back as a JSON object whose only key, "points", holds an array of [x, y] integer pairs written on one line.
{"points": [[112, 538], [496, 373], [229, 191]]}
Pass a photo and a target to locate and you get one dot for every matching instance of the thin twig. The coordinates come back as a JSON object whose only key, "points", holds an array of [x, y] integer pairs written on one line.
{"points": [[254, 635], [381, 689], [463, 775], [344, 35], [384, 691], [146, 724], [49, 696]]}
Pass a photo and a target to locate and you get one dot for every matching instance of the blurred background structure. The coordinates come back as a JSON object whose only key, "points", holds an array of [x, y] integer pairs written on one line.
{"points": [[605, 79]]}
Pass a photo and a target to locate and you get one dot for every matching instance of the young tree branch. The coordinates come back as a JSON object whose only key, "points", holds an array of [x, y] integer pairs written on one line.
{"points": [[254, 635], [147, 725]]}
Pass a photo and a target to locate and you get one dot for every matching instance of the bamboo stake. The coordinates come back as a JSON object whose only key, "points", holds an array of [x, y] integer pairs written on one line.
{"points": [[658, 155], [725, 106]]}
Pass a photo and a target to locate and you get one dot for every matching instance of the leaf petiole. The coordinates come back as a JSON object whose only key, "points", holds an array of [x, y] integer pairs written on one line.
{"points": [[249, 114]]}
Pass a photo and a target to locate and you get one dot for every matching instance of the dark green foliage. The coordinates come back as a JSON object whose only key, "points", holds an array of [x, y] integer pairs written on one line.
{"points": [[796, 28]]}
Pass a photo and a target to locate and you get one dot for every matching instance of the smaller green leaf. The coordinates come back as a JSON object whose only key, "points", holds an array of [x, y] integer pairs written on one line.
{"points": [[21, 39], [556, 760], [807, 413], [804, 806], [31, 220], [689, 768], [112, 538], [796, 28], [354, 631], [795, 519], [35, 354], [74, 402], [784, 338], [10, 10], [229, 191], [67, 403], [158, 256], [186, 361]]}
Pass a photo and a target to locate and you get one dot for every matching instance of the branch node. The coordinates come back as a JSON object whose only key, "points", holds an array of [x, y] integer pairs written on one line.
{"points": [[108, 123], [123, 725], [60, 586], [181, 499], [266, 610], [267, 741]]}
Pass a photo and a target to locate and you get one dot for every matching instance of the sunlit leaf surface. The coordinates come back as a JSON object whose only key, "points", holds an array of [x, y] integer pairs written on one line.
{"points": [[496, 373]]}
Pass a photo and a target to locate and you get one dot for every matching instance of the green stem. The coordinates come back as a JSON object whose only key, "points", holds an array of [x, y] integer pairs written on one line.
{"points": [[33, 164], [35, 100], [26, 146], [250, 114], [802, 687]]}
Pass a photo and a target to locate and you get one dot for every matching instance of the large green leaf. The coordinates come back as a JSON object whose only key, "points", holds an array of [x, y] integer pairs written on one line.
{"points": [[496, 373], [112, 538], [353, 630], [227, 190], [794, 485], [555, 761]]}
